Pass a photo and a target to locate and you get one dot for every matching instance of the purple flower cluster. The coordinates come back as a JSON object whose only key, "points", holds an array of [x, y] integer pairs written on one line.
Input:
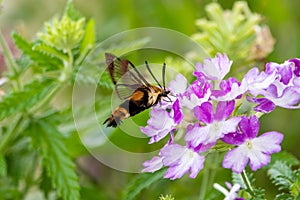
{"points": [[210, 110]]}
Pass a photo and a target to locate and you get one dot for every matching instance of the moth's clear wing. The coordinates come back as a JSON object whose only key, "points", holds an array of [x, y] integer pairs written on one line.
{"points": [[124, 75]]}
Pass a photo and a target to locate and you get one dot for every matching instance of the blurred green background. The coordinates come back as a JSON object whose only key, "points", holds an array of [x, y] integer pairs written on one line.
{"points": [[114, 16]]}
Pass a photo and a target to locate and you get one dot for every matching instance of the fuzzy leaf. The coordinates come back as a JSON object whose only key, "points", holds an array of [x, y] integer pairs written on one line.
{"points": [[19, 101], [50, 51], [56, 160], [284, 196], [41, 59], [282, 175], [141, 182], [258, 194]]}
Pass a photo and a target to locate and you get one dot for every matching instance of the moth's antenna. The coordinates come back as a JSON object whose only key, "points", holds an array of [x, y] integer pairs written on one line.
{"points": [[148, 68], [163, 75]]}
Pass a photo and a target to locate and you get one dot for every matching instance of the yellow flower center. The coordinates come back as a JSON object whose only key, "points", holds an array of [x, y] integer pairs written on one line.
{"points": [[249, 144]]}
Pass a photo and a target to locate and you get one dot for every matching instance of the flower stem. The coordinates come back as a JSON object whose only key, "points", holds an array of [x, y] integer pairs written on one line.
{"points": [[246, 181], [10, 61], [16, 127]]}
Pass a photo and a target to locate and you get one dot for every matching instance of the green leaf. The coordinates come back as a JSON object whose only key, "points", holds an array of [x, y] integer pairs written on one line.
{"points": [[56, 160], [19, 101], [88, 40], [71, 12], [42, 59], [284, 196], [258, 194], [141, 182], [3, 166], [50, 51], [282, 175], [45, 184], [21, 161]]}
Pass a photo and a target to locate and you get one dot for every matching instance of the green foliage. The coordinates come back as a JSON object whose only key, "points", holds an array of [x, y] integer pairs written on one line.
{"points": [[50, 143], [71, 11], [88, 40], [246, 180], [141, 182], [50, 51], [39, 156], [8, 190], [286, 179], [3, 166], [39, 58], [20, 101], [30, 143], [64, 34], [167, 197], [234, 32]]}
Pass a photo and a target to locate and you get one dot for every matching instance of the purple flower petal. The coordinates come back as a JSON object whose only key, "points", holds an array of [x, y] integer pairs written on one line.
{"points": [[284, 71], [196, 135], [258, 81], [268, 142], [250, 126], [229, 90], [153, 165], [178, 115], [159, 125], [258, 159], [204, 113], [179, 85], [236, 159], [215, 68], [264, 105], [224, 110], [288, 99], [230, 125], [234, 138], [256, 150], [180, 161], [296, 61], [171, 153]]}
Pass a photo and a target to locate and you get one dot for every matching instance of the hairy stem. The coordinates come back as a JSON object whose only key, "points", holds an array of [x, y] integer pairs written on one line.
{"points": [[246, 181]]}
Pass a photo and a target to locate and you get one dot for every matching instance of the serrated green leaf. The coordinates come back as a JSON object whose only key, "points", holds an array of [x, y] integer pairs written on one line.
{"points": [[50, 51], [284, 196], [258, 194], [45, 184], [88, 40], [282, 175], [21, 160], [141, 182], [19, 101], [237, 179], [43, 60], [3, 166], [56, 160]]}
